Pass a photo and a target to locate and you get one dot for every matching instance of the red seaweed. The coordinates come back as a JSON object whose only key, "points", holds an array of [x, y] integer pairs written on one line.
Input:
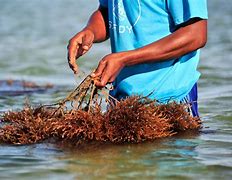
{"points": [[134, 120]]}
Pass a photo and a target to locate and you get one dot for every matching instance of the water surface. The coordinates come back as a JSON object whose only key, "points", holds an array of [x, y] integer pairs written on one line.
{"points": [[34, 36]]}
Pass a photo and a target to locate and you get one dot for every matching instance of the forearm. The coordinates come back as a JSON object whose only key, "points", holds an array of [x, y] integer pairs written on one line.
{"points": [[181, 42], [98, 24]]}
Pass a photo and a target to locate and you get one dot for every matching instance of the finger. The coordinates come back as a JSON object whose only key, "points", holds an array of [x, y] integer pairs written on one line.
{"points": [[105, 78], [73, 48], [84, 51], [87, 42], [111, 79], [72, 53], [100, 69], [74, 67], [85, 48], [101, 83], [79, 51], [73, 64], [97, 83]]}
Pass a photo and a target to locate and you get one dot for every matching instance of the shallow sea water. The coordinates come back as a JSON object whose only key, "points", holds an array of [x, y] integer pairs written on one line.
{"points": [[34, 36]]}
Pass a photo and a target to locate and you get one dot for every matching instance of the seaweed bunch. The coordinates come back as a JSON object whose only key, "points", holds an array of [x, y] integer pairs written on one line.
{"points": [[137, 119], [134, 119]]}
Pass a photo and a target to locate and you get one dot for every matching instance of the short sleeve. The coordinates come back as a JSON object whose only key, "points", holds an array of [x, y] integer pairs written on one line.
{"points": [[183, 10], [104, 3]]}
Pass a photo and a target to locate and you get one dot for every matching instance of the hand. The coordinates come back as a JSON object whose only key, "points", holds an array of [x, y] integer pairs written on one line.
{"points": [[78, 46], [108, 69]]}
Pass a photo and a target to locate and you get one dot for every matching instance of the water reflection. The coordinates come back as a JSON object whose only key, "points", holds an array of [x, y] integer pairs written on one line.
{"points": [[149, 159]]}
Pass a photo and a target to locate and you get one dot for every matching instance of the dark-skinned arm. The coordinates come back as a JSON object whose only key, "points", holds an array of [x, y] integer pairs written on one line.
{"points": [[95, 31], [187, 38]]}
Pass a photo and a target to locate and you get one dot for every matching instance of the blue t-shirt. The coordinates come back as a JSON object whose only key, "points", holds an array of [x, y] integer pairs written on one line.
{"points": [[136, 23]]}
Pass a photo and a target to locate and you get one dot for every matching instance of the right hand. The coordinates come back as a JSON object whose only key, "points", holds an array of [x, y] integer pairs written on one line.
{"points": [[78, 46]]}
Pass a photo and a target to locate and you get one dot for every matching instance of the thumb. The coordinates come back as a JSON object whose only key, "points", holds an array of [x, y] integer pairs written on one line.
{"points": [[98, 72], [87, 42]]}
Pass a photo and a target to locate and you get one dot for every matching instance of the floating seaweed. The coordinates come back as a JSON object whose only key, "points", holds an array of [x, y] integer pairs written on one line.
{"points": [[134, 119]]}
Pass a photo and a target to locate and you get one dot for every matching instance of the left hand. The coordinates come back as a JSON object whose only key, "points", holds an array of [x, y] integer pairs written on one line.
{"points": [[108, 69]]}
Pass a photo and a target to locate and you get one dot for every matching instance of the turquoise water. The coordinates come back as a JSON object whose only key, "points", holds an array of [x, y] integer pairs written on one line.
{"points": [[34, 36]]}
